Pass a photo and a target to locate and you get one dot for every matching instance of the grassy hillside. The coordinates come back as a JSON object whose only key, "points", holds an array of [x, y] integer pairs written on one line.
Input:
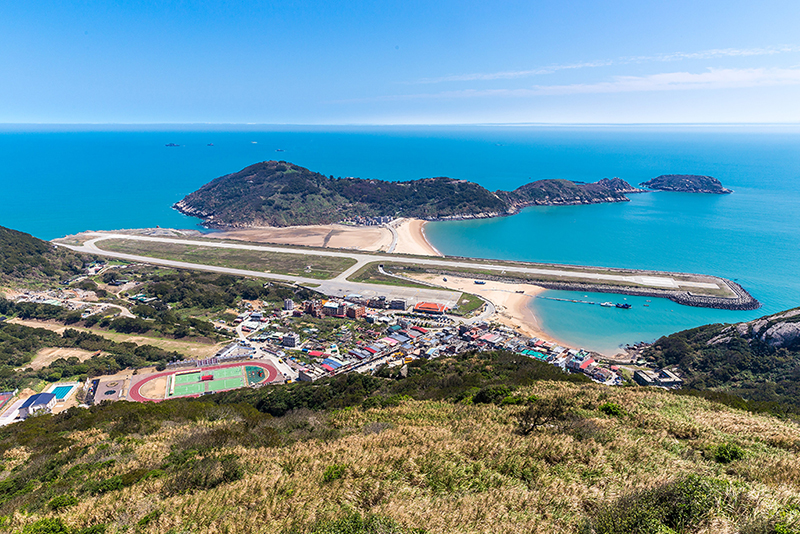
{"points": [[26, 259], [277, 193], [567, 192], [602, 460], [758, 360]]}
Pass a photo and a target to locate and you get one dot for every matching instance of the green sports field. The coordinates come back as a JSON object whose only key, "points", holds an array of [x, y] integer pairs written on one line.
{"points": [[225, 383], [227, 372], [187, 378], [182, 390], [191, 383]]}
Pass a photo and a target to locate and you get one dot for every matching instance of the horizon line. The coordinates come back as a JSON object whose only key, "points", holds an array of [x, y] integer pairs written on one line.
{"points": [[17, 125]]}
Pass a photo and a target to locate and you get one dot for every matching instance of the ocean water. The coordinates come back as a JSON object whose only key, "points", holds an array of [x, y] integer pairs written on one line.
{"points": [[58, 181]]}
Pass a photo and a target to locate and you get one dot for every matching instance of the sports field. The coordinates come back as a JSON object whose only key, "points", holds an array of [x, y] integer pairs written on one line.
{"points": [[196, 382]]}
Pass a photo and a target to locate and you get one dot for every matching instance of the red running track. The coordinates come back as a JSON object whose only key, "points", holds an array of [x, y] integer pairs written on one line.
{"points": [[134, 395]]}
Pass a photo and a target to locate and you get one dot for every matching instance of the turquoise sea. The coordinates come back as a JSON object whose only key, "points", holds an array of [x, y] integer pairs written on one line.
{"points": [[62, 180]]}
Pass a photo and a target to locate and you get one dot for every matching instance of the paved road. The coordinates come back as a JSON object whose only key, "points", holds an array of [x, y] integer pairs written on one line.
{"points": [[338, 286], [644, 278]]}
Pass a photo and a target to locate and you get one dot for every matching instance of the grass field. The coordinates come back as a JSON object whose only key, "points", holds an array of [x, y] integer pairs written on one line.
{"points": [[189, 389], [224, 378], [309, 266], [370, 274], [226, 383]]}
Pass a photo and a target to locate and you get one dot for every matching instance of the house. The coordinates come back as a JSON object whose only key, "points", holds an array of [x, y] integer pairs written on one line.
{"points": [[430, 307], [42, 402], [290, 340]]}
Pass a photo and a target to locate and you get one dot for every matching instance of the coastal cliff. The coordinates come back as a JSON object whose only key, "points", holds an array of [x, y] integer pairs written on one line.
{"points": [[277, 193], [758, 360], [687, 183]]}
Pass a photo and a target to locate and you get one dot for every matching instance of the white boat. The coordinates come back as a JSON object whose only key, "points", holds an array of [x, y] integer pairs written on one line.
{"points": [[607, 304]]}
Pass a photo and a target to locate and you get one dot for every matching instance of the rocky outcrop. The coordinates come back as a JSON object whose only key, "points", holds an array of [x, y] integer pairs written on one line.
{"points": [[781, 330]]}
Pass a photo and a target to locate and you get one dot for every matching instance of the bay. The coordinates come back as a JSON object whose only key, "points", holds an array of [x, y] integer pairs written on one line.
{"points": [[63, 180]]}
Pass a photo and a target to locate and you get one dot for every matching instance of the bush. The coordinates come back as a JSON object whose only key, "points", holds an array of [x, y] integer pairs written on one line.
{"points": [[353, 523], [679, 505], [334, 472], [540, 413], [47, 525], [727, 453], [492, 394], [611, 408], [62, 501]]}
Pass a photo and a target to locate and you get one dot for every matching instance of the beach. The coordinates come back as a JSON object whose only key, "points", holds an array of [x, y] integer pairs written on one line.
{"points": [[411, 238], [511, 301]]}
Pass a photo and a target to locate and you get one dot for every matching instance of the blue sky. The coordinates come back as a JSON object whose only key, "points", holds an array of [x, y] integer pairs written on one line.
{"points": [[405, 62]]}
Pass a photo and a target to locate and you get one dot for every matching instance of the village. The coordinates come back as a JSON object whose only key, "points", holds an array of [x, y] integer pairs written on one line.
{"points": [[308, 341]]}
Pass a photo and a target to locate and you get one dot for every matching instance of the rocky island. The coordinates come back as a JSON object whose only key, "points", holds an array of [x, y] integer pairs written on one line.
{"points": [[277, 193], [686, 183]]}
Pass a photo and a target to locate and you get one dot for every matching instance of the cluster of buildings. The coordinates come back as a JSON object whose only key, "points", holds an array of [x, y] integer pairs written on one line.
{"points": [[367, 221], [658, 377], [395, 337]]}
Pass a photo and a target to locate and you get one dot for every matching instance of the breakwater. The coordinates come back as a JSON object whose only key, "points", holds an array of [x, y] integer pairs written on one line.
{"points": [[741, 302]]}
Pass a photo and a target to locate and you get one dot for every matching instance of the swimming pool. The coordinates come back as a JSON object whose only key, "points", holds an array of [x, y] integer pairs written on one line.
{"points": [[61, 392]]}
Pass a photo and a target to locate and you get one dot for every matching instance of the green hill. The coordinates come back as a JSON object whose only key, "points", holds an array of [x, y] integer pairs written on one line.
{"points": [[277, 193], [461, 451], [24, 258], [758, 360]]}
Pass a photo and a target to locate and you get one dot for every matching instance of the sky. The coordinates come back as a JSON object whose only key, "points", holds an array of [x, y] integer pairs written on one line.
{"points": [[403, 62]]}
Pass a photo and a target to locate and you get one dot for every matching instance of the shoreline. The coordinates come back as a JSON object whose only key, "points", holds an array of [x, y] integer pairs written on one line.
{"points": [[411, 238]]}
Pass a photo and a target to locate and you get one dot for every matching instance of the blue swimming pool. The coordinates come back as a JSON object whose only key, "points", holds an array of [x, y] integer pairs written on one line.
{"points": [[61, 392]]}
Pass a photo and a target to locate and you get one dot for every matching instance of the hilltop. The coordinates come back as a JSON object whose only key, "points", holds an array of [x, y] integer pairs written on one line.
{"points": [[461, 445], [758, 360], [25, 259], [277, 193], [686, 183]]}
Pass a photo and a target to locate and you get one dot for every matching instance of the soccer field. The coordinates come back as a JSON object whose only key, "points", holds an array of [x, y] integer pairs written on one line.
{"points": [[227, 372], [181, 390], [225, 383], [191, 383], [187, 378]]}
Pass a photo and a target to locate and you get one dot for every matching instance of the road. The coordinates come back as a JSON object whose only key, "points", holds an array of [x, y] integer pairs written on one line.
{"points": [[641, 278]]}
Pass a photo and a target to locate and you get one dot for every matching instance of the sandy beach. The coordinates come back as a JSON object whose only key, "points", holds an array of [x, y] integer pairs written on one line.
{"points": [[411, 238], [511, 301]]}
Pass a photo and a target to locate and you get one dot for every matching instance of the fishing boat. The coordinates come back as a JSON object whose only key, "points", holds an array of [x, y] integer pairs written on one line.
{"points": [[624, 306], [607, 304]]}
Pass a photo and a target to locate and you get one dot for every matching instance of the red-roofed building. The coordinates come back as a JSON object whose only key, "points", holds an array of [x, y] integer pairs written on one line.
{"points": [[430, 307]]}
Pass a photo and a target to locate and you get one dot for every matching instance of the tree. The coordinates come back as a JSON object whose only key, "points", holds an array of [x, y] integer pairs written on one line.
{"points": [[542, 412]]}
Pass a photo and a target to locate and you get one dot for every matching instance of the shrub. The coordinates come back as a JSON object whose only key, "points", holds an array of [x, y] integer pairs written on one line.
{"points": [[353, 523], [679, 505], [543, 412], [48, 525], [334, 472], [492, 394], [104, 486], [62, 501], [727, 453], [611, 408]]}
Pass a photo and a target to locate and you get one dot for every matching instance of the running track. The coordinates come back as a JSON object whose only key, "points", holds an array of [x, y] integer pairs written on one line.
{"points": [[134, 395]]}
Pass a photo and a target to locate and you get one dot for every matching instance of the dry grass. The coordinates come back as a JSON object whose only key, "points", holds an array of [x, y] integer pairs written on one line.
{"points": [[448, 467]]}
